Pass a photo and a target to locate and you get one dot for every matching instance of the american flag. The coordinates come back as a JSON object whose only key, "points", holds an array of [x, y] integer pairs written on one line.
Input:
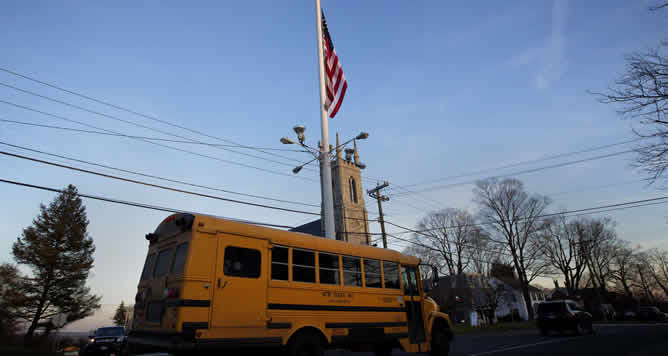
{"points": [[336, 84]]}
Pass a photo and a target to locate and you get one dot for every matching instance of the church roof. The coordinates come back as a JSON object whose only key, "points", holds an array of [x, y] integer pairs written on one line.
{"points": [[312, 228]]}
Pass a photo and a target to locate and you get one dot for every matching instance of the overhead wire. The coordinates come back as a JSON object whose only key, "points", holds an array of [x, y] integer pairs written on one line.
{"points": [[619, 206], [157, 177], [140, 137], [536, 160], [122, 108], [164, 187], [156, 185], [129, 122], [156, 143], [526, 171], [129, 203]]}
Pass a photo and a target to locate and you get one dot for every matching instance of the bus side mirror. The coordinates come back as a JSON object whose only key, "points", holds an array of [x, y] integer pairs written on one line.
{"points": [[434, 277]]}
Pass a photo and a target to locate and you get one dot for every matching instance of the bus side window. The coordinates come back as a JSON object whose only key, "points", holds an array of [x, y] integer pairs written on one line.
{"points": [[329, 268], [391, 274], [279, 263], [352, 271], [372, 276], [303, 266], [241, 262]]}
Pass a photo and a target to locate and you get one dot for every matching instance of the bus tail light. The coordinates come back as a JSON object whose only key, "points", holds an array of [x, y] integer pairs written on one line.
{"points": [[171, 292]]}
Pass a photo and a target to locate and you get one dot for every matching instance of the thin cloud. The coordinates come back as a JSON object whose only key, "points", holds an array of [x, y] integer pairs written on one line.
{"points": [[547, 60]]}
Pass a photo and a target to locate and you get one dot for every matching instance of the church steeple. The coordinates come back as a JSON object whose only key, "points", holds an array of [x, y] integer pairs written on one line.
{"points": [[357, 156], [338, 147], [350, 214]]}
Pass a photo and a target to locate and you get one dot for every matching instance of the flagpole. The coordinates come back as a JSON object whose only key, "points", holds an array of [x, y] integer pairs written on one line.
{"points": [[325, 170]]}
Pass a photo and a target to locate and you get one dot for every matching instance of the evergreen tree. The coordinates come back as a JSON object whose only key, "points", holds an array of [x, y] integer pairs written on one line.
{"points": [[121, 315], [59, 253], [9, 297]]}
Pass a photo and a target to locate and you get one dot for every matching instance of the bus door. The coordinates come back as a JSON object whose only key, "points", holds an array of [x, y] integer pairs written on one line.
{"points": [[240, 287], [413, 305]]}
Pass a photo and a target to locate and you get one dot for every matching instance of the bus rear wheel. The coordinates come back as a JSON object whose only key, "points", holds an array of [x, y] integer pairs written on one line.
{"points": [[306, 343]]}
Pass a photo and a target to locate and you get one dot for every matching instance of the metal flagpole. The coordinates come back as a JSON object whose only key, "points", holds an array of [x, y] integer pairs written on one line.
{"points": [[325, 170]]}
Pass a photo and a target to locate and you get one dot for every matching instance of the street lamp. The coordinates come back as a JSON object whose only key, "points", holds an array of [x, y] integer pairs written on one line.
{"points": [[323, 155]]}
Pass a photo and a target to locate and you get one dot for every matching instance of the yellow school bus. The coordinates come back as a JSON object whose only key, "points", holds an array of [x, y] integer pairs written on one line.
{"points": [[212, 284]]}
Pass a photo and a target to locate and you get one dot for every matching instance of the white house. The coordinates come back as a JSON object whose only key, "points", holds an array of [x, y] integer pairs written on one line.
{"points": [[509, 297]]}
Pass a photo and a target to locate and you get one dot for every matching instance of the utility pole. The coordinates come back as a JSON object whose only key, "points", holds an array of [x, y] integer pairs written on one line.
{"points": [[375, 193]]}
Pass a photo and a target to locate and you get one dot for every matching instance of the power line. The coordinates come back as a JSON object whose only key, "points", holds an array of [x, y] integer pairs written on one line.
{"points": [[158, 177], [155, 143], [618, 206], [137, 113], [156, 185], [118, 107], [555, 156], [162, 187], [599, 187], [129, 122], [129, 203], [532, 170], [143, 137]]}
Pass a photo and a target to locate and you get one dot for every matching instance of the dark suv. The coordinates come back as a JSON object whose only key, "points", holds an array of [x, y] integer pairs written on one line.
{"points": [[107, 341], [651, 314], [563, 315]]}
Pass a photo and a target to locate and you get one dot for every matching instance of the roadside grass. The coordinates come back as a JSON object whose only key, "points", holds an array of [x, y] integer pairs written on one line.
{"points": [[20, 351], [520, 325]]}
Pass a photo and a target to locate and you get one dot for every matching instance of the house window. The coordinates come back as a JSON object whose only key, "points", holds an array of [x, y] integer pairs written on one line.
{"points": [[353, 190]]}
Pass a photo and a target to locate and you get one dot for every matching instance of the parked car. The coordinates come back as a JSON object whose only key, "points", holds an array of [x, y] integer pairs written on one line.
{"points": [[628, 315], [649, 313], [107, 341], [563, 315]]}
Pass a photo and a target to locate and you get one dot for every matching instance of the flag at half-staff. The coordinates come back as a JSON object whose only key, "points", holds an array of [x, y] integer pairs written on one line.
{"points": [[335, 81]]}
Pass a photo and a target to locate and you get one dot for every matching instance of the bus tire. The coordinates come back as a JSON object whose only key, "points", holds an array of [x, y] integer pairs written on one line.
{"points": [[306, 343], [383, 350], [440, 343]]}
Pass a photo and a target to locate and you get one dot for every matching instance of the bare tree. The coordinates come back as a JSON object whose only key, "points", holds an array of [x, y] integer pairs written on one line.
{"points": [[427, 255], [658, 260], [644, 282], [483, 251], [515, 215], [599, 244], [641, 94], [448, 231], [658, 6], [622, 266], [560, 245]]}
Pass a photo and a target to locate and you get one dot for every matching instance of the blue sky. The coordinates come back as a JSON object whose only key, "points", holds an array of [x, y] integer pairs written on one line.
{"points": [[443, 88]]}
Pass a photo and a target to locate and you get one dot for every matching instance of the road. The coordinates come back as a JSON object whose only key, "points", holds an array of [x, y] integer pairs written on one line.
{"points": [[619, 339]]}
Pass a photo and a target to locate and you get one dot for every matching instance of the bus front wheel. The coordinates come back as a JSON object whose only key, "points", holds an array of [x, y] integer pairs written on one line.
{"points": [[306, 343], [440, 343]]}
